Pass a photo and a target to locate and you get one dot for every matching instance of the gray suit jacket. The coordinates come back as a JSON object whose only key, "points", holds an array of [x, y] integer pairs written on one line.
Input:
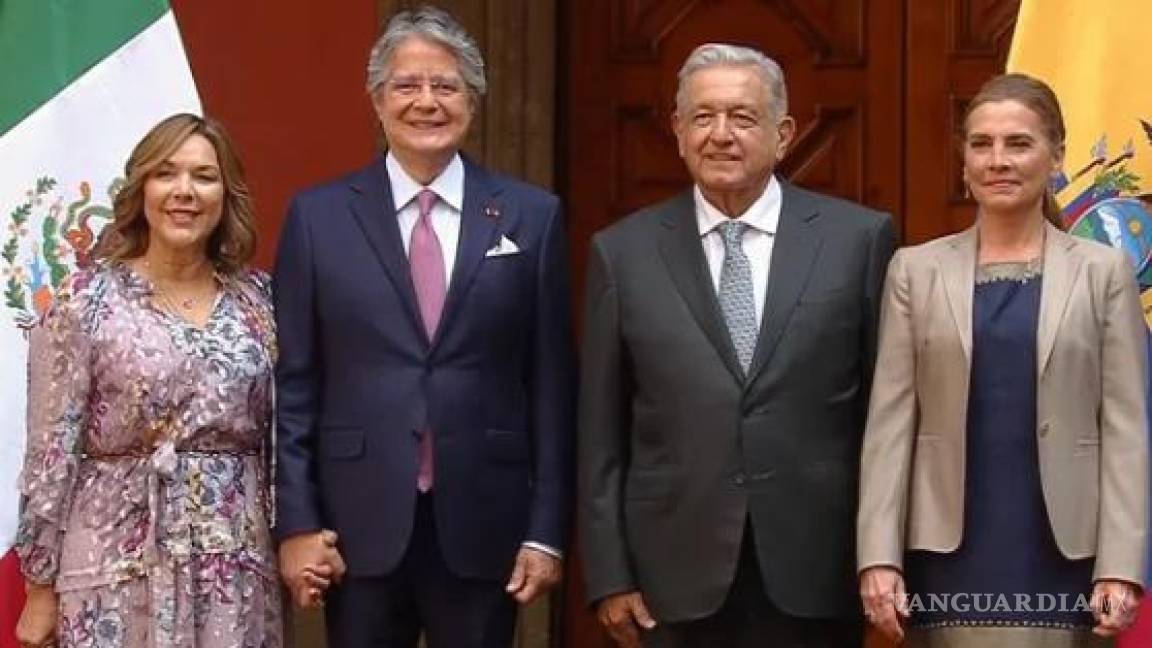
{"points": [[1092, 427], [679, 451]]}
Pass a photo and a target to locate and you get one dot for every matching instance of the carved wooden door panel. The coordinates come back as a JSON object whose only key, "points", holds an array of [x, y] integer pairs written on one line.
{"points": [[953, 47]]}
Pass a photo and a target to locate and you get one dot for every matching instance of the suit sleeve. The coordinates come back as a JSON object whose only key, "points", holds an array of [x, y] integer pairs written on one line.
{"points": [[553, 392], [1123, 527], [880, 248], [886, 459], [297, 378], [605, 394]]}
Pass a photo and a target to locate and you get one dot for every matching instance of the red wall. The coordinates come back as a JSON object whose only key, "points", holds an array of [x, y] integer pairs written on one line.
{"points": [[286, 78]]}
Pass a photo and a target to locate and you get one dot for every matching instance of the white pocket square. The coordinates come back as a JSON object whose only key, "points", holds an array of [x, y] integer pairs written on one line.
{"points": [[503, 247]]}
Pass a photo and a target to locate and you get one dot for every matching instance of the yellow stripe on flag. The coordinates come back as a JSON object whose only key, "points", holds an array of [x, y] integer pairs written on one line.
{"points": [[1095, 56]]}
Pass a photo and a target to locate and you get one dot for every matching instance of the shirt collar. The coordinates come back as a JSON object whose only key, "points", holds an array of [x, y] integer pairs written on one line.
{"points": [[449, 185], [762, 215]]}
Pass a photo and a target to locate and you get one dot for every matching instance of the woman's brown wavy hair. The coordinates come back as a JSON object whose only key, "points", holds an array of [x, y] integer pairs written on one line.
{"points": [[233, 242]]}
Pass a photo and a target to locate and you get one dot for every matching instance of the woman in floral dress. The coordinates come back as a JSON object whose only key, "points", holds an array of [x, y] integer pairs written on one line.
{"points": [[146, 483]]}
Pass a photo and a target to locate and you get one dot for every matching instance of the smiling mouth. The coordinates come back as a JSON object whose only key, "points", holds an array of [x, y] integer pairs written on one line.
{"points": [[183, 216]]}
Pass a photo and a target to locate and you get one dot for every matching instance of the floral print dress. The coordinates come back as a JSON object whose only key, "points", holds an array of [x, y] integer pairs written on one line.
{"points": [[145, 484]]}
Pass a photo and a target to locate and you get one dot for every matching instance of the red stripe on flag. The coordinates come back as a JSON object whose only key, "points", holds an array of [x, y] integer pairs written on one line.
{"points": [[11, 599], [1140, 634]]}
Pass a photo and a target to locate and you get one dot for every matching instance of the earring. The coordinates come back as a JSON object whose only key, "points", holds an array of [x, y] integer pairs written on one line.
{"points": [[967, 189]]}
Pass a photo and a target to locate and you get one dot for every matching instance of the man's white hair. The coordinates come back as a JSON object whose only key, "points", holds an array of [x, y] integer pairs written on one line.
{"points": [[434, 25], [721, 54]]}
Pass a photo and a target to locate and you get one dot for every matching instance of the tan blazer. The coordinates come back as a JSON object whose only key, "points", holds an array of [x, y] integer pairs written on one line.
{"points": [[1092, 423]]}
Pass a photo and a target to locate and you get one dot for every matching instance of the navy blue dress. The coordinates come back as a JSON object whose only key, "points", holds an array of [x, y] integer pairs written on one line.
{"points": [[1008, 547]]}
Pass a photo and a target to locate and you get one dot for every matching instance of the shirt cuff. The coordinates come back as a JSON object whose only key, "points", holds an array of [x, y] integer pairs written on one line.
{"points": [[555, 553]]}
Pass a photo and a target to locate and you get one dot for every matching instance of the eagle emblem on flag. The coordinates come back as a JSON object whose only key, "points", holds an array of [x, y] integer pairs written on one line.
{"points": [[1106, 201], [49, 235], [1112, 209]]}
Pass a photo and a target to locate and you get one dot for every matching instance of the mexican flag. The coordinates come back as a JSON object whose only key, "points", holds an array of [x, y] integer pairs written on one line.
{"points": [[83, 80], [1095, 56]]}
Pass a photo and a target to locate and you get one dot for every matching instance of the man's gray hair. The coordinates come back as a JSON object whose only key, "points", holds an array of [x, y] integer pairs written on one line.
{"points": [[721, 54], [434, 25]]}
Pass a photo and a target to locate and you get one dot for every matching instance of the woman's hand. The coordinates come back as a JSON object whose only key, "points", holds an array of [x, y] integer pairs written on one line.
{"points": [[309, 564], [882, 592], [37, 624], [1114, 604]]}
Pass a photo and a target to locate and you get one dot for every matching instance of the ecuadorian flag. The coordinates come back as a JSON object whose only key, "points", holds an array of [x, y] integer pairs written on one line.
{"points": [[80, 82], [1095, 56]]}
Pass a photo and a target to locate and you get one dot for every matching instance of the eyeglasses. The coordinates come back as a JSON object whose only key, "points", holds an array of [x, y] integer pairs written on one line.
{"points": [[443, 87]]}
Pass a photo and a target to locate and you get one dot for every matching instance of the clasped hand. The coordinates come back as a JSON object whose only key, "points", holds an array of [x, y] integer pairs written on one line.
{"points": [[309, 564]]}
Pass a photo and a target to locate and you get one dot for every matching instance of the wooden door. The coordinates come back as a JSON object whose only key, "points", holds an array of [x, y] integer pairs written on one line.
{"points": [[952, 47], [876, 86]]}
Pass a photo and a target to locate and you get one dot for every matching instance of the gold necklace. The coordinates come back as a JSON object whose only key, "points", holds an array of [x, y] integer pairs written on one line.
{"points": [[176, 305], [172, 303], [186, 304]]}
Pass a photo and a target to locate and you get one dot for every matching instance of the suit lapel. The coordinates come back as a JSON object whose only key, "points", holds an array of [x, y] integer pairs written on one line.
{"points": [[957, 267], [375, 212], [683, 253], [477, 235], [1060, 270], [794, 251]]}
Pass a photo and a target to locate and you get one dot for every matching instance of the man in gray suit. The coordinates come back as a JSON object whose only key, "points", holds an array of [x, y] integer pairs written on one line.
{"points": [[728, 353]]}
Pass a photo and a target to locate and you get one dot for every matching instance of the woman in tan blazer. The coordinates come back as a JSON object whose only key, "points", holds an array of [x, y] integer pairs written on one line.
{"points": [[1004, 479]]}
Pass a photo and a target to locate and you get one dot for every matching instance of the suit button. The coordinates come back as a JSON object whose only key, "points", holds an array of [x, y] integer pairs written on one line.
{"points": [[739, 479], [1043, 429]]}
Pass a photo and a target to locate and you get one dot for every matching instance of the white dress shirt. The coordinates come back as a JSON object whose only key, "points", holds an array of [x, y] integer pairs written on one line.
{"points": [[449, 187], [762, 218]]}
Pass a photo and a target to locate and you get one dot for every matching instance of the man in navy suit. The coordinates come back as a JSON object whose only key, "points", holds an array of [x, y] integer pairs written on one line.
{"points": [[425, 375]]}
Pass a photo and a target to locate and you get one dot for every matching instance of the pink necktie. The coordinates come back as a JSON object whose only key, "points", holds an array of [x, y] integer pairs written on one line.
{"points": [[427, 260]]}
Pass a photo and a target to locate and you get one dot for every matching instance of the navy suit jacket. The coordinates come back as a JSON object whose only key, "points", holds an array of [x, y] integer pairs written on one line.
{"points": [[358, 378]]}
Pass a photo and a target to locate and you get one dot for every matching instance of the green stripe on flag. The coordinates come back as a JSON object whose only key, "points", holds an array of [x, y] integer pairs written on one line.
{"points": [[47, 44]]}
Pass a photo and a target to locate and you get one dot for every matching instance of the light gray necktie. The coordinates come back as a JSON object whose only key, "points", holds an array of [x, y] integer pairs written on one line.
{"points": [[737, 300]]}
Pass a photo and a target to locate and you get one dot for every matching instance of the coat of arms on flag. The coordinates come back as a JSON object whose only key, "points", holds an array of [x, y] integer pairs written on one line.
{"points": [[1111, 207], [48, 234]]}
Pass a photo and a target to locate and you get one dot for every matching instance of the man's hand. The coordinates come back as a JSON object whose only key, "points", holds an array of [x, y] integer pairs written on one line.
{"points": [[623, 615], [882, 592], [534, 574], [1114, 604], [309, 564], [37, 624]]}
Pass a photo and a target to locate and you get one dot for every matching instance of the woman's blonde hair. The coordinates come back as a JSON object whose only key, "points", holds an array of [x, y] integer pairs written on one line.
{"points": [[233, 242]]}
